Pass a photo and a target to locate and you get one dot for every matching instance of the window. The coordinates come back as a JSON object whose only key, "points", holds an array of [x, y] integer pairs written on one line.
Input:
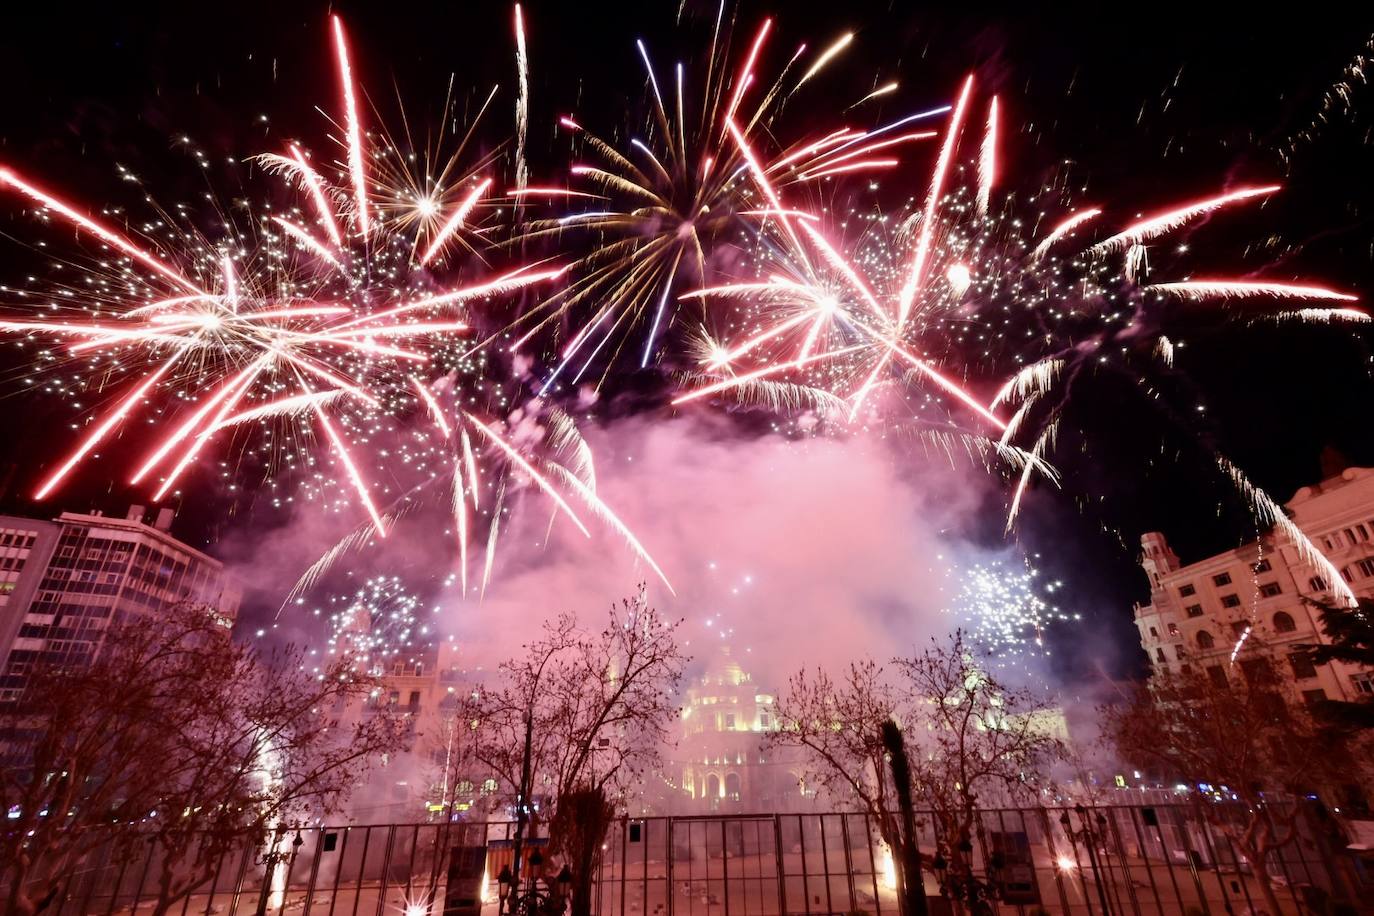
{"points": [[1230, 601], [1257, 670], [1363, 683], [1238, 627], [1173, 629], [763, 720], [1185, 590], [1179, 653], [729, 721], [1205, 640], [1221, 579], [1217, 675], [1262, 566], [1317, 584], [1366, 567], [1159, 654], [1302, 666], [1283, 622], [1313, 696], [1154, 634], [1193, 610], [1270, 589]]}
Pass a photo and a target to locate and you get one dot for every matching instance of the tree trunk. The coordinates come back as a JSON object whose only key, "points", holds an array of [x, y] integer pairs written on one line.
{"points": [[578, 829], [1254, 857], [912, 898]]}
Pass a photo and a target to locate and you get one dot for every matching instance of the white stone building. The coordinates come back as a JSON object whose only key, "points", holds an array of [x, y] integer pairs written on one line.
{"points": [[1197, 613]]}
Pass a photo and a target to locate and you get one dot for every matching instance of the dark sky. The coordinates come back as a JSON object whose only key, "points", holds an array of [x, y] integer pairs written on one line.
{"points": [[1151, 103]]}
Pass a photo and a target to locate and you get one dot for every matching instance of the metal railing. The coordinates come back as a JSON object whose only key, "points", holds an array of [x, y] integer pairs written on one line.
{"points": [[1101, 861]]}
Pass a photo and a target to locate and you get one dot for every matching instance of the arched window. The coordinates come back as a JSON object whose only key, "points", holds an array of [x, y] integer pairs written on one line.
{"points": [[1283, 622], [1205, 640], [732, 786]]}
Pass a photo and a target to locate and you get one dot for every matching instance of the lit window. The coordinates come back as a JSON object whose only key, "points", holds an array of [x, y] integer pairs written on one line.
{"points": [[1173, 629]]}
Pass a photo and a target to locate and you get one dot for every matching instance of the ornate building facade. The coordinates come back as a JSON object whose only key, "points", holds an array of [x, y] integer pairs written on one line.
{"points": [[1199, 612], [721, 762]]}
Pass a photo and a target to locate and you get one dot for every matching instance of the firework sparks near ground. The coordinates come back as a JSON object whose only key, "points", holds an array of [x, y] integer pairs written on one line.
{"points": [[1007, 608], [379, 625]]}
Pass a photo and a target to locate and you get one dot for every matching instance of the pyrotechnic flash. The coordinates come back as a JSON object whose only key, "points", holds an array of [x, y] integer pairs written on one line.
{"points": [[1007, 607]]}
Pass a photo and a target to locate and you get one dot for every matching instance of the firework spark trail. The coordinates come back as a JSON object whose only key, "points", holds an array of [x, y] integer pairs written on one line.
{"points": [[522, 101], [353, 128], [1160, 223], [1229, 289], [315, 186], [460, 213], [113, 419], [359, 484], [9, 177], [196, 419], [886, 89], [301, 235], [539, 480], [460, 517], [826, 56], [1072, 222], [1269, 512], [435, 411], [937, 183], [987, 161]]}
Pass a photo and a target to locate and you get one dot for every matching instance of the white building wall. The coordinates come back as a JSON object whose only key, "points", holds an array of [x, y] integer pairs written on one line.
{"points": [[1260, 587]]}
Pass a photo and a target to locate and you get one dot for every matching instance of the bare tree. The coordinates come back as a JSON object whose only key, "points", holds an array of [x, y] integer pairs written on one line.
{"points": [[1236, 726], [978, 741], [176, 741], [581, 713], [964, 735], [839, 725]]}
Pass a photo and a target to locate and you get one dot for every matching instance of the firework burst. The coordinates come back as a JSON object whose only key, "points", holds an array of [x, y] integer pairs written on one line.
{"points": [[1007, 608], [657, 208], [339, 322]]}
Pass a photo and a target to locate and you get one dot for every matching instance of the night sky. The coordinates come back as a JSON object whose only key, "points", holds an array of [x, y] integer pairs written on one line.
{"points": [[1152, 105]]}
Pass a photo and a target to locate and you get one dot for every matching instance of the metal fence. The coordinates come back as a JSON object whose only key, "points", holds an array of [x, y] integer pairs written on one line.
{"points": [[1101, 861]]}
